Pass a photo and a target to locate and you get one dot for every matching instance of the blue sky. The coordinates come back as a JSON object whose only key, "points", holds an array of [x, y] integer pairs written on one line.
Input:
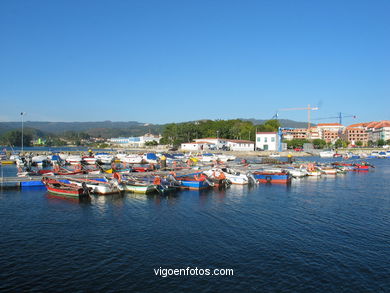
{"points": [[173, 61]]}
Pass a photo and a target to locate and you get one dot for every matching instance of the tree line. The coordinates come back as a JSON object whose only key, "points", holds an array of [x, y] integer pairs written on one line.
{"points": [[177, 133]]}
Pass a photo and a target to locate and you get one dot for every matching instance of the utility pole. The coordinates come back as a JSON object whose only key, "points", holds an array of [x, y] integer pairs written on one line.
{"points": [[22, 114]]}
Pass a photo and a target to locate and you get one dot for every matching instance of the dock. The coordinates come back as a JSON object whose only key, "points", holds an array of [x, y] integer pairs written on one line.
{"points": [[35, 181]]}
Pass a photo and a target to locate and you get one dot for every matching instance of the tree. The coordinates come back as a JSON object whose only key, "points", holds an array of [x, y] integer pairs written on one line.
{"points": [[319, 143], [341, 143], [380, 142], [14, 138], [151, 143], [296, 143], [359, 143]]}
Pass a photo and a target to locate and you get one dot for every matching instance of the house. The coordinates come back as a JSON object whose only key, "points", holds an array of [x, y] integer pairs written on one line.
{"points": [[197, 146], [378, 130], [138, 141], [267, 141], [356, 132], [218, 142], [240, 145]]}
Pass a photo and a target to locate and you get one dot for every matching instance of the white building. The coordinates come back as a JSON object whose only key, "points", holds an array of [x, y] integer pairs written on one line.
{"points": [[135, 141], [197, 146], [267, 141], [240, 145], [218, 142], [379, 130]]}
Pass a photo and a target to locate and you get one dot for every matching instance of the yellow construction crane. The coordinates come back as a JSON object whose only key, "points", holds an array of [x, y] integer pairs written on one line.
{"points": [[308, 108]]}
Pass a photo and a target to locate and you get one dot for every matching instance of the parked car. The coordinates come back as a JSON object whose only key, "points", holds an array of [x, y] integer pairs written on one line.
{"points": [[298, 149]]}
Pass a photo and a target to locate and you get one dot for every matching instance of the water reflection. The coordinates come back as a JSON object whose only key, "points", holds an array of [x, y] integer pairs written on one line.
{"points": [[54, 199]]}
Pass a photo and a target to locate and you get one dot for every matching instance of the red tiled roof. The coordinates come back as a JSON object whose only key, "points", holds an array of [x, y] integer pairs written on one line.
{"points": [[240, 141], [329, 124], [378, 124], [364, 124], [208, 138], [266, 132], [197, 142], [384, 123]]}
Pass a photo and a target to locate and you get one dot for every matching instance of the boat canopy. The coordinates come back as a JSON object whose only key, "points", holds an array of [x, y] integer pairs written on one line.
{"points": [[151, 156]]}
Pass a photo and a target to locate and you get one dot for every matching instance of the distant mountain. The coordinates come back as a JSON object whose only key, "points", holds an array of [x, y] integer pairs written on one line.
{"points": [[109, 129], [284, 122], [104, 129]]}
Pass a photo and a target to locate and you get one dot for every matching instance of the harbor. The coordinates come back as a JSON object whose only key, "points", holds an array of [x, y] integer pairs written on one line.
{"points": [[298, 230]]}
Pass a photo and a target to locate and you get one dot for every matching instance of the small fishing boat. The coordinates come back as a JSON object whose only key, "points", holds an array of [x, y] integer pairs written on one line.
{"points": [[150, 158], [63, 171], [328, 170], [327, 154], [131, 159], [73, 159], [90, 160], [65, 189], [101, 186], [235, 177], [39, 160], [138, 185], [218, 178], [297, 172], [104, 158], [273, 177], [197, 181]]}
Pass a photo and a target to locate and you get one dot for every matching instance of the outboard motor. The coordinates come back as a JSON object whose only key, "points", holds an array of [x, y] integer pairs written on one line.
{"points": [[251, 178], [86, 189]]}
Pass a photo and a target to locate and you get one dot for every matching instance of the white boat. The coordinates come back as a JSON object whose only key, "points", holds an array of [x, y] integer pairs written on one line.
{"points": [[225, 158], [39, 160], [297, 173], [90, 160], [327, 154], [73, 159], [233, 176], [274, 155], [328, 170], [374, 154], [97, 186], [150, 158], [208, 157], [131, 159], [104, 158], [314, 173]]}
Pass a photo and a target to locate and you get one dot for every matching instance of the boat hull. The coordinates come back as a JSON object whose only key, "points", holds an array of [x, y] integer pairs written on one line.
{"points": [[281, 178]]}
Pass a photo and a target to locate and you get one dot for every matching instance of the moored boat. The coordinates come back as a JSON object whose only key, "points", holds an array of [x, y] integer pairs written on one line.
{"points": [[65, 189], [101, 186], [196, 181], [271, 177]]}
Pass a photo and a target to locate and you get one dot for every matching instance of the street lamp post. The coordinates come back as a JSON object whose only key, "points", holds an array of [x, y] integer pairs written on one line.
{"points": [[22, 114]]}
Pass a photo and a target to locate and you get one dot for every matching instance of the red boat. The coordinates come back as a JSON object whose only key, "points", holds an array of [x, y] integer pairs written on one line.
{"points": [[65, 189], [362, 167]]}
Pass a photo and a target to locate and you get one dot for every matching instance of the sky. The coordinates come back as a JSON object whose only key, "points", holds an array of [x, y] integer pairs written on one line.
{"points": [[157, 61]]}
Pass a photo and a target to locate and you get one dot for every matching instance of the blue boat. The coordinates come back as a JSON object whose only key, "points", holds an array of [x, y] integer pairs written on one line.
{"points": [[270, 177], [193, 182]]}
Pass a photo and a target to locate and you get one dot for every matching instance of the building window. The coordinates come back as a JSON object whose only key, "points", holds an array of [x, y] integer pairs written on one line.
{"points": [[273, 139], [258, 139], [265, 139]]}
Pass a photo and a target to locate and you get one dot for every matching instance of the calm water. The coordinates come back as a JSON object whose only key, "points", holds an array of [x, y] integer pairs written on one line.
{"points": [[325, 235]]}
